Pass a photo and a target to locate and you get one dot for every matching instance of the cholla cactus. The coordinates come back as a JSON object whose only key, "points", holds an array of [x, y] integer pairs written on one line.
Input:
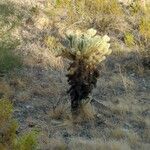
{"points": [[88, 46], [86, 50]]}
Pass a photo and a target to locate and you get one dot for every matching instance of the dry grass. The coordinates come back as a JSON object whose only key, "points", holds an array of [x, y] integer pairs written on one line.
{"points": [[82, 144], [144, 27], [133, 138], [88, 112], [5, 90], [54, 143], [60, 112]]}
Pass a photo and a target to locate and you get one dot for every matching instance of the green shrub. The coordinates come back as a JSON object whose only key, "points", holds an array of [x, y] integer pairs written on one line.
{"points": [[144, 27], [135, 8], [6, 110], [27, 142], [8, 60], [8, 126], [129, 39]]}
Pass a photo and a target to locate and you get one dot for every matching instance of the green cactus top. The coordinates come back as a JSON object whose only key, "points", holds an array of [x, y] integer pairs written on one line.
{"points": [[87, 45]]}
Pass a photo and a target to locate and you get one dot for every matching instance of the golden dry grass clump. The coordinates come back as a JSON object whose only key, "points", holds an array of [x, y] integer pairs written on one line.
{"points": [[103, 14], [5, 90], [105, 6]]}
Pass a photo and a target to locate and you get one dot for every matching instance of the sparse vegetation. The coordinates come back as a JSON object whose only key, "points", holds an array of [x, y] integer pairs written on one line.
{"points": [[144, 27], [129, 39], [8, 128], [109, 99], [8, 60]]}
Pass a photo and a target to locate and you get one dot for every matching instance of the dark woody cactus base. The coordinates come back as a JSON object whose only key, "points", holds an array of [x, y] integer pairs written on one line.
{"points": [[82, 79]]}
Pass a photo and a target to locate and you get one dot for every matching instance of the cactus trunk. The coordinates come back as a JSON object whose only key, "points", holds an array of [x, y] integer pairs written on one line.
{"points": [[82, 79]]}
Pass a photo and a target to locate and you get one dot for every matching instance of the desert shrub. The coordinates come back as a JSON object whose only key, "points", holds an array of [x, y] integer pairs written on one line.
{"points": [[142, 37], [85, 50], [129, 39], [104, 15], [52, 43], [6, 110], [26, 142], [5, 90], [34, 10], [135, 8], [10, 16], [138, 17], [8, 128], [102, 6], [105, 6], [144, 27], [139, 6], [8, 60]]}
